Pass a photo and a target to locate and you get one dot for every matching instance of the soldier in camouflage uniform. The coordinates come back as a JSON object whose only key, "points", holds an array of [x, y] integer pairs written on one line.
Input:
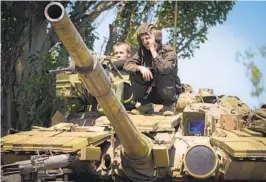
{"points": [[122, 52], [153, 72]]}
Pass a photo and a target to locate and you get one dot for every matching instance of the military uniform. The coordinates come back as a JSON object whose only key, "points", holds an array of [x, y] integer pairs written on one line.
{"points": [[164, 70]]}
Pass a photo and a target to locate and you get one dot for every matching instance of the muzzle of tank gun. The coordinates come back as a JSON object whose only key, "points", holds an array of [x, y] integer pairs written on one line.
{"points": [[54, 12]]}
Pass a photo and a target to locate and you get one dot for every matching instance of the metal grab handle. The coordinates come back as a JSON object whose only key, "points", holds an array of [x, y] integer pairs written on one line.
{"points": [[53, 175]]}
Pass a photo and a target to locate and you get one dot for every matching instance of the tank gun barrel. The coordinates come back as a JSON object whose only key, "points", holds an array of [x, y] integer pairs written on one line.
{"points": [[96, 81]]}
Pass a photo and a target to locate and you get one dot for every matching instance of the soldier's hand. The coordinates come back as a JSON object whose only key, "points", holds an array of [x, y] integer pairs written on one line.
{"points": [[146, 73], [151, 41]]}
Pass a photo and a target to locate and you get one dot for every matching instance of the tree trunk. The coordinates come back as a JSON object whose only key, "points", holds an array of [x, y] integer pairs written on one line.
{"points": [[112, 39], [24, 39], [8, 115]]}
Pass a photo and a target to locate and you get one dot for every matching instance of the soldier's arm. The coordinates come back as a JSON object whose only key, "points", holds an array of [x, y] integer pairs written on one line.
{"points": [[119, 63], [133, 64], [166, 61]]}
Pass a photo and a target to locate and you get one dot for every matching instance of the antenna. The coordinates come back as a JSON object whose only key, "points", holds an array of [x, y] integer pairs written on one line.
{"points": [[175, 26]]}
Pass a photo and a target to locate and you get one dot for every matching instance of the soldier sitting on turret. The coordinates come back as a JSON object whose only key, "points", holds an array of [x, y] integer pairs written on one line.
{"points": [[153, 72]]}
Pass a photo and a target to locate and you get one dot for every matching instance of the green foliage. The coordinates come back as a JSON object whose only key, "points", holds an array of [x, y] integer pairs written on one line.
{"points": [[36, 92], [263, 51], [67, 106], [252, 70], [35, 99], [194, 18], [129, 16], [16, 18], [90, 36], [31, 92], [10, 32]]}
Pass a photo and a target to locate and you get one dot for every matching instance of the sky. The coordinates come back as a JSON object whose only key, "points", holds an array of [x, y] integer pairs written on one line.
{"points": [[214, 65]]}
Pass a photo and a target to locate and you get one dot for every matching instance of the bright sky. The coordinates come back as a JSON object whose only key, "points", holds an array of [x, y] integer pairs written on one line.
{"points": [[214, 64]]}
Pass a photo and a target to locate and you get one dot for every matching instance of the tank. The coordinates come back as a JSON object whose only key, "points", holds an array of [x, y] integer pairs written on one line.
{"points": [[204, 141]]}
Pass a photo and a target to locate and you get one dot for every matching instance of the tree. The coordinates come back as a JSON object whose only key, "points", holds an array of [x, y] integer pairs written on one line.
{"points": [[129, 16], [253, 72], [24, 28], [29, 48], [193, 21]]}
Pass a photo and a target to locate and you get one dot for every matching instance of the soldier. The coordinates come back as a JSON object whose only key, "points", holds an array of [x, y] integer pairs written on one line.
{"points": [[122, 52], [153, 72]]}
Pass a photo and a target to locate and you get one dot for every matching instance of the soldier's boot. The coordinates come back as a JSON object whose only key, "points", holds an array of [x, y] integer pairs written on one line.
{"points": [[146, 109], [169, 110]]}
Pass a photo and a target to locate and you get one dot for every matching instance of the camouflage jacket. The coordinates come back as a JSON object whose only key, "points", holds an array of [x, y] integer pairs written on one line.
{"points": [[164, 62]]}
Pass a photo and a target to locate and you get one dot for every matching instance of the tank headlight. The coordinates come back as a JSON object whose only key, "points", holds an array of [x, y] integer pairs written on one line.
{"points": [[200, 161]]}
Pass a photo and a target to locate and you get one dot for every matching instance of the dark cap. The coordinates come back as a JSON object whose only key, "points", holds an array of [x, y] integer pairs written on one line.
{"points": [[149, 28]]}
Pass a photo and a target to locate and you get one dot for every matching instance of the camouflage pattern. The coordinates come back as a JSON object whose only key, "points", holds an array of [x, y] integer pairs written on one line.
{"points": [[148, 28], [163, 68], [235, 104], [206, 95], [257, 120], [187, 88], [185, 99]]}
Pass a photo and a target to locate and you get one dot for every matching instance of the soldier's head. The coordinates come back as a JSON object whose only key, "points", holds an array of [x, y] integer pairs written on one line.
{"points": [[143, 34], [122, 51]]}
